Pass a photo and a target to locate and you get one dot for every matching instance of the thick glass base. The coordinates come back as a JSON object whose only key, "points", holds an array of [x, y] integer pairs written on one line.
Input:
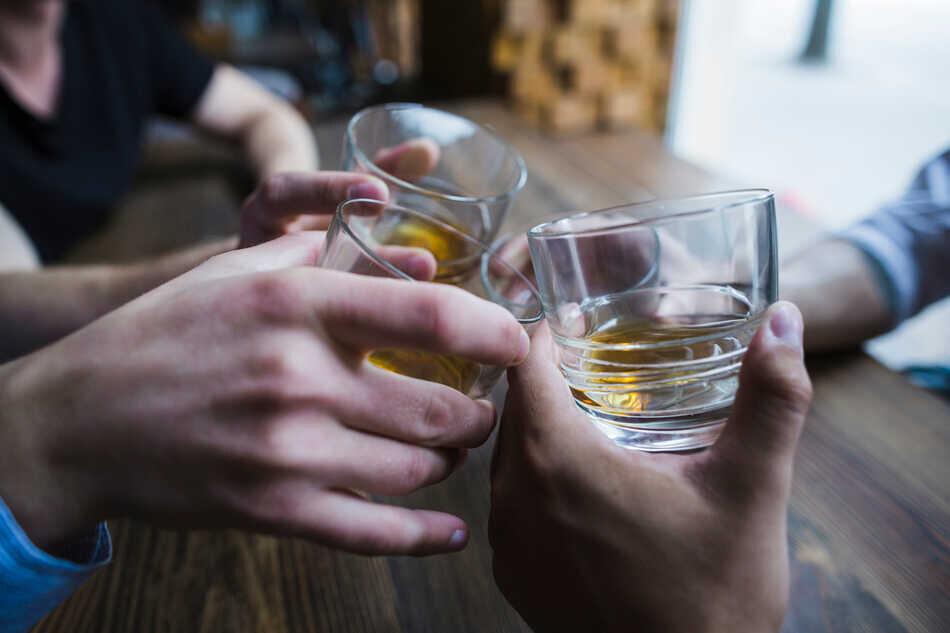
{"points": [[660, 434]]}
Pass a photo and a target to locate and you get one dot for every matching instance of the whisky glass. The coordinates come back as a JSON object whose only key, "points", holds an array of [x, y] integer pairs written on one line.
{"points": [[470, 180], [652, 306], [369, 237]]}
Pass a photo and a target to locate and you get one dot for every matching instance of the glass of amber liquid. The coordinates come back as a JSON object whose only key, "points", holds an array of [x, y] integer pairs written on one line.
{"points": [[437, 163], [375, 238], [652, 307]]}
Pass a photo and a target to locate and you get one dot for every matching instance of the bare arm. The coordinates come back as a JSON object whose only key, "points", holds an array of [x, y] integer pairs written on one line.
{"points": [[275, 137], [891, 265], [39, 306], [832, 284], [180, 374]]}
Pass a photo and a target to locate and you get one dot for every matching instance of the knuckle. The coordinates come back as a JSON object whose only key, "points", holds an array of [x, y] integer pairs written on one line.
{"points": [[788, 386], [272, 188], [277, 506], [799, 394], [274, 382], [276, 447], [287, 445], [324, 189], [270, 504], [389, 535], [437, 422], [280, 364], [272, 298], [411, 538], [432, 319], [417, 471], [267, 368], [778, 378]]}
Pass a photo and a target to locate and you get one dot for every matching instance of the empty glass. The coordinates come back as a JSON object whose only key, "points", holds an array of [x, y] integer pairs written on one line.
{"points": [[368, 237], [652, 306], [437, 163]]}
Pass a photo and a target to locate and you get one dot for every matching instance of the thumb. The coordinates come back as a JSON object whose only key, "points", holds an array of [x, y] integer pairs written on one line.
{"points": [[539, 400], [773, 398]]}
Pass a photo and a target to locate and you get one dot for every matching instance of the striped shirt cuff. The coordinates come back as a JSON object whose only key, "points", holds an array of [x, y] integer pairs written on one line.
{"points": [[894, 268]]}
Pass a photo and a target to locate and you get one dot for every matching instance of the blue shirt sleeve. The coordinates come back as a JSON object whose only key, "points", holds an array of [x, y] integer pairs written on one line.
{"points": [[908, 241], [33, 582]]}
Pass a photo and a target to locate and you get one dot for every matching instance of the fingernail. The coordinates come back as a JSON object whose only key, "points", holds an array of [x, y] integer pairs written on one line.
{"points": [[524, 346], [373, 189], [458, 539], [786, 324]]}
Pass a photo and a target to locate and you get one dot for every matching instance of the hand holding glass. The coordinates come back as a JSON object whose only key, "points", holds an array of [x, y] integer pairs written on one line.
{"points": [[652, 306], [374, 238], [437, 163]]}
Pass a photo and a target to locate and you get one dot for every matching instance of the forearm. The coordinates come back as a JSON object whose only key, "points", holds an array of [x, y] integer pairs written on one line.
{"points": [[49, 506], [52, 497], [837, 293], [38, 307], [280, 140], [275, 137]]}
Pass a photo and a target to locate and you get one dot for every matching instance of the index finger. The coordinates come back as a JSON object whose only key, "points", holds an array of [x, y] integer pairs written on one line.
{"points": [[372, 312], [291, 194]]}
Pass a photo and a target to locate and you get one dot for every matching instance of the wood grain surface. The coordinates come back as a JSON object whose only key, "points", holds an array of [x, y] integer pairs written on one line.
{"points": [[869, 518]]}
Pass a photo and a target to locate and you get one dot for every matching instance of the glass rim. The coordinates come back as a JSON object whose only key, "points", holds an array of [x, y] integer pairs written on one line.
{"points": [[497, 244], [758, 194], [485, 250], [385, 175]]}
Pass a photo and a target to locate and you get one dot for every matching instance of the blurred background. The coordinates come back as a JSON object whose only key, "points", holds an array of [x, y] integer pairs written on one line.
{"points": [[832, 103], [834, 113]]}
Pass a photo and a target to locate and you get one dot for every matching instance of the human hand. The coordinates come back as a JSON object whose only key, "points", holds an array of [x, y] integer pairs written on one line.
{"points": [[296, 201], [238, 395], [593, 537]]}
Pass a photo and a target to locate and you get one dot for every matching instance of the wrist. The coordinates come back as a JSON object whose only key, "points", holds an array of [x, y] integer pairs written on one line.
{"points": [[48, 501], [141, 277]]}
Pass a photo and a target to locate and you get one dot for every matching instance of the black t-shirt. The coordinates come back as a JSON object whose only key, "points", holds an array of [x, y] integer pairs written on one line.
{"points": [[121, 63]]}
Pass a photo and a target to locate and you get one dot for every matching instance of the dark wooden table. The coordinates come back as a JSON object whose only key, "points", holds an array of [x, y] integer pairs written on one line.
{"points": [[869, 519]]}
